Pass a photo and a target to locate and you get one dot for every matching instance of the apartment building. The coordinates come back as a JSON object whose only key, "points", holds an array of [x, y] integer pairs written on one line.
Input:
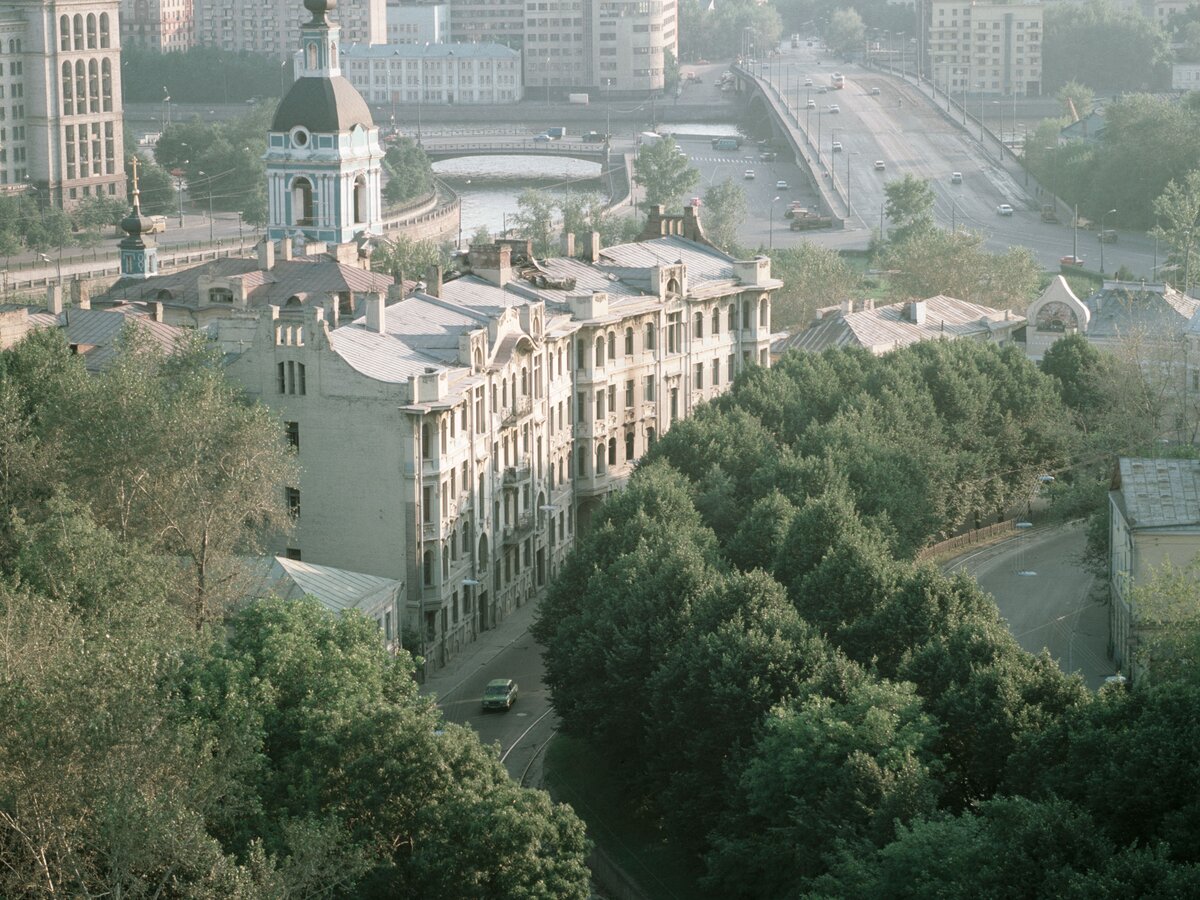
{"points": [[418, 23], [60, 99], [993, 48], [462, 74], [273, 26], [459, 437], [161, 26], [616, 46]]}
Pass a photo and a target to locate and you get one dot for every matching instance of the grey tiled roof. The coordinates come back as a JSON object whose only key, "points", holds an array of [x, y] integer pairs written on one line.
{"points": [[1159, 493], [95, 332]]}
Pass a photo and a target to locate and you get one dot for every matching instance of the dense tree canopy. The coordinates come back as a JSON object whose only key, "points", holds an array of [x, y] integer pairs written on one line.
{"points": [[664, 174]]}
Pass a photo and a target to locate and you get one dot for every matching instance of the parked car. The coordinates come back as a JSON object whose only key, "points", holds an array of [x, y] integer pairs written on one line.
{"points": [[811, 104], [594, 137], [1004, 209], [879, 165], [836, 147], [748, 174], [781, 185], [956, 177], [874, 92], [500, 693], [834, 108], [1070, 261]]}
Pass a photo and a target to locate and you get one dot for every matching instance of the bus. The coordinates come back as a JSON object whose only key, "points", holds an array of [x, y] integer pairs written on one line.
{"points": [[839, 81]]}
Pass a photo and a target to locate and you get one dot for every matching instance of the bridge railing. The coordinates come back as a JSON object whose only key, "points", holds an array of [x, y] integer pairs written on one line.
{"points": [[545, 148]]}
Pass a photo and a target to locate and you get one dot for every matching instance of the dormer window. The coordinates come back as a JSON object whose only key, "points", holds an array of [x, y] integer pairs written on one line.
{"points": [[220, 295]]}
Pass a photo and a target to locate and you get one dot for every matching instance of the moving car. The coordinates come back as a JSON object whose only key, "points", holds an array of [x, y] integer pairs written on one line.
{"points": [[837, 147], [768, 156], [879, 165], [543, 138], [748, 174], [834, 108], [808, 82], [956, 177], [594, 137], [1070, 261], [1004, 209], [500, 693], [781, 185], [811, 104], [1107, 236], [875, 92]]}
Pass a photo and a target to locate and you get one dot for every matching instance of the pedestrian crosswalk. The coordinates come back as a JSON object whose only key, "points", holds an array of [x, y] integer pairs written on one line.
{"points": [[738, 160]]}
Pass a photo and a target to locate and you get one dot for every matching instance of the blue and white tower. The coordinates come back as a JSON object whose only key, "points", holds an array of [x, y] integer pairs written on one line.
{"points": [[324, 160], [139, 253]]}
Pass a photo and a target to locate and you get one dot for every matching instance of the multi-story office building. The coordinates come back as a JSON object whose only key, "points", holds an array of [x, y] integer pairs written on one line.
{"points": [[163, 26], [984, 47], [462, 74], [616, 46], [418, 23], [273, 26], [60, 99]]}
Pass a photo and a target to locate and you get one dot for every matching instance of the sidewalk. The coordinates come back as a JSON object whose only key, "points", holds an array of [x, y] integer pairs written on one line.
{"points": [[443, 682]]}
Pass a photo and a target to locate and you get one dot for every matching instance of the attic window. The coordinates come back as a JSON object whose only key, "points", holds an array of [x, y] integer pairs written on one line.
{"points": [[220, 295], [163, 295]]}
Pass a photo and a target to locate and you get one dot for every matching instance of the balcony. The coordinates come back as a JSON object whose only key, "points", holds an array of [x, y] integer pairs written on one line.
{"points": [[516, 475], [521, 529], [518, 410]]}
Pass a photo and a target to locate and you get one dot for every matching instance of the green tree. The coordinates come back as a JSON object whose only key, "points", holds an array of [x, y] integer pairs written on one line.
{"points": [[909, 207], [845, 32], [725, 211], [407, 258], [928, 261], [827, 775], [664, 174], [1104, 47], [813, 278], [1076, 99], [409, 172], [535, 222], [1177, 214]]}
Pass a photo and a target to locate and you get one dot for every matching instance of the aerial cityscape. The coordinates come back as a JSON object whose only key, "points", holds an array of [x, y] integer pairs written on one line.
{"points": [[623, 450]]}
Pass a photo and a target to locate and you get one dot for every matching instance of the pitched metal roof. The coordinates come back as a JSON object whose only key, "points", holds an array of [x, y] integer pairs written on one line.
{"points": [[94, 333], [1159, 493], [1122, 309], [886, 328], [336, 589]]}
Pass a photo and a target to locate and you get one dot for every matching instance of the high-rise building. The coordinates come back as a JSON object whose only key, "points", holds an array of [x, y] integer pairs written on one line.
{"points": [[60, 99], [614, 46], [418, 23], [163, 26], [984, 47], [273, 26]]}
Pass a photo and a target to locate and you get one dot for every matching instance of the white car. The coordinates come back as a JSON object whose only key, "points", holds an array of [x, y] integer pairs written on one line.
{"points": [[781, 185], [808, 82], [879, 165], [834, 108], [1004, 209], [811, 104], [837, 147], [748, 174]]}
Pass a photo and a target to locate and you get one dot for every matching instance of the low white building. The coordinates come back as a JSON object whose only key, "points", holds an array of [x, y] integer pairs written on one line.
{"points": [[1185, 77], [465, 74]]}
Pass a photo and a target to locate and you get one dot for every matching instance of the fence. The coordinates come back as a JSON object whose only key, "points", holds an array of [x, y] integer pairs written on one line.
{"points": [[970, 538]]}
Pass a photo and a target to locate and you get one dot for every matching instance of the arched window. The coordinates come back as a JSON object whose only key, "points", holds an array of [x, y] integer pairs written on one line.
{"points": [[91, 31], [612, 345], [649, 438], [64, 34], [762, 313], [504, 392], [67, 95], [698, 325], [104, 31], [600, 350], [600, 457], [302, 202], [649, 341], [445, 564], [552, 476], [310, 56], [477, 359], [628, 445], [612, 451], [732, 317], [629, 342], [673, 286], [483, 550], [77, 31], [716, 321], [360, 199], [93, 86], [427, 568], [106, 92], [80, 86], [524, 381]]}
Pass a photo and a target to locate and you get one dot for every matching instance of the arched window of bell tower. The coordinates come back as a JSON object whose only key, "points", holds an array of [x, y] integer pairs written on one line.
{"points": [[310, 53], [302, 201], [360, 199]]}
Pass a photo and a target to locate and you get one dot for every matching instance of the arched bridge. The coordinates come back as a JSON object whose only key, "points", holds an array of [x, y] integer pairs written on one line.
{"points": [[574, 149]]}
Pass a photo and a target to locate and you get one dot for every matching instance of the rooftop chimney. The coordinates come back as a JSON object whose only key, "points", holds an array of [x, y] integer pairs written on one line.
{"points": [[266, 254], [81, 295], [375, 312], [568, 244], [285, 248], [916, 312], [54, 299], [492, 263], [433, 281], [594, 247]]}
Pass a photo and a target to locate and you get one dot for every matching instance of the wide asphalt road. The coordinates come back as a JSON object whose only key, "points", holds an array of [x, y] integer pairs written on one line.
{"points": [[1048, 599]]}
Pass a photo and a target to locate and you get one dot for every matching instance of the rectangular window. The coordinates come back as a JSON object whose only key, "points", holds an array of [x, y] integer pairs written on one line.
{"points": [[716, 372], [427, 505], [699, 376], [629, 393], [281, 378], [612, 398], [301, 387], [581, 406], [293, 501], [293, 434], [599, 404], [649, 393]]}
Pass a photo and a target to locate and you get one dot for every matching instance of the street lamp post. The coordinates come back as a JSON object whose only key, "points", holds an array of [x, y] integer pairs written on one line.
{"points": [[981, 85], [1102, 218], [1075, 233], [57, 263], [208, 184], [771, 226]]}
